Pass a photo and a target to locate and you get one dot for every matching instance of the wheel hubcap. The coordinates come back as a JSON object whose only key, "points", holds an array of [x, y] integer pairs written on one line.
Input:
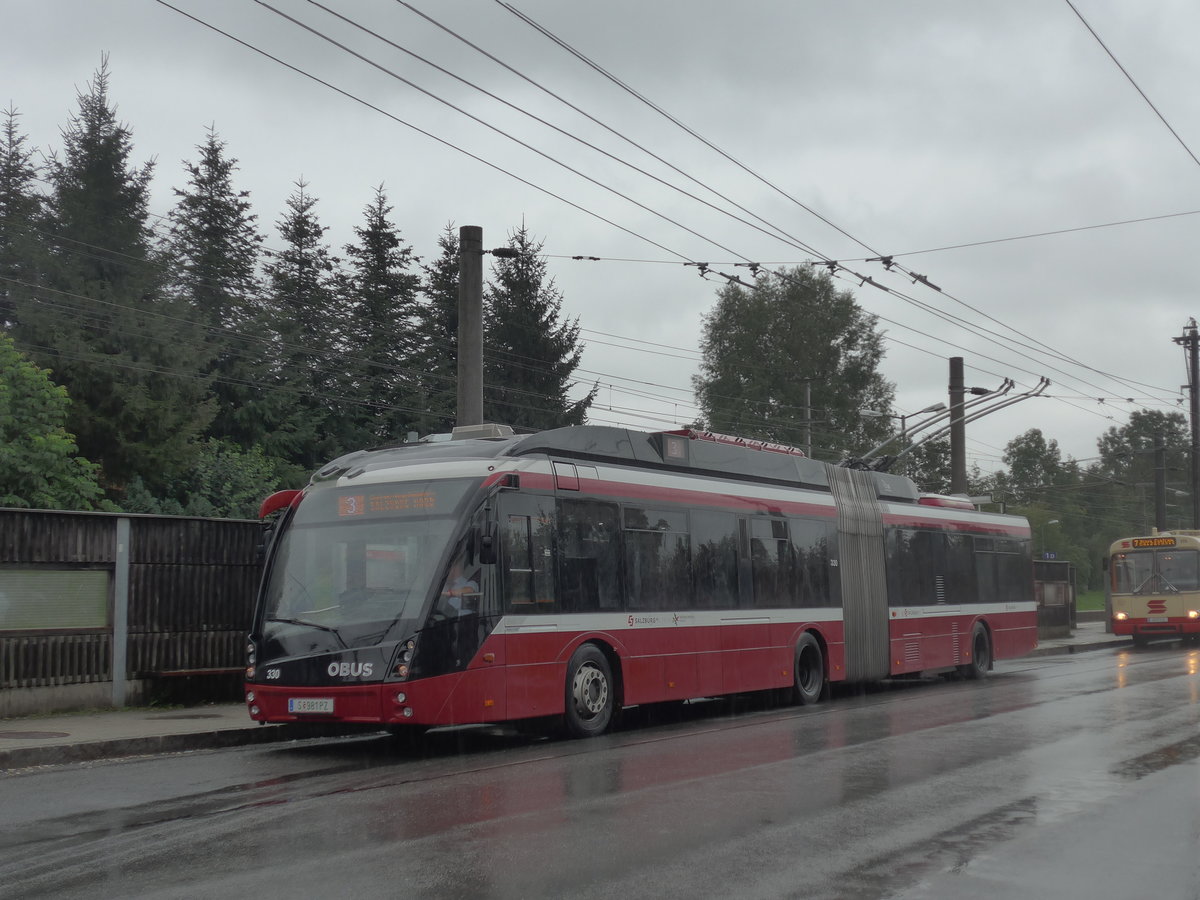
{"points": [[590, 690]]}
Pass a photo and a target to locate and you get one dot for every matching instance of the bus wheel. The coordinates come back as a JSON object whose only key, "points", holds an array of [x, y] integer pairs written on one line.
{"points": [[981, 654], [810, 670], [1140, 641], [589, 692]]}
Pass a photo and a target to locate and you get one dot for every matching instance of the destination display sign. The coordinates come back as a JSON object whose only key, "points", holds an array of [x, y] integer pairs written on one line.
{"points": [[1145, 543], [397, 500]]}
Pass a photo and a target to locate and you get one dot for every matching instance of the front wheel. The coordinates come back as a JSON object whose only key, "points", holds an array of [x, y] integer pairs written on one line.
{"points": [[809, 671], [590, 692], [981, 654]]}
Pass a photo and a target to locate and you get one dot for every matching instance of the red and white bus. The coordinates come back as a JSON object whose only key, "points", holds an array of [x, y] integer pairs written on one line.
{"points": [[577, 571], [1154, 586]]}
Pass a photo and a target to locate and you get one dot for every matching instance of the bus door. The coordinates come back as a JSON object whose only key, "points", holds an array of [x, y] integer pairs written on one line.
{"points": [[529, 602], [863, 575]]}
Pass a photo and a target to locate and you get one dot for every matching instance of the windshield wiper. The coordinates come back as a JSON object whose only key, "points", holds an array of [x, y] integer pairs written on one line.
{"points": [[306, 623]]}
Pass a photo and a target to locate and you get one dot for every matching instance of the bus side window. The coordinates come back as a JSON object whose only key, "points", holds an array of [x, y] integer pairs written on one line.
{"points": [[772, 563], [658, 571], [812, 545], [714, 559], [589, 556]]}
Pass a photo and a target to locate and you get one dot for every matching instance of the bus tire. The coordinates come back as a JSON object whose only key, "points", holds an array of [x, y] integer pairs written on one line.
{"points": [[1140, 641], [590, 692], [809, 671], [981, 654]]}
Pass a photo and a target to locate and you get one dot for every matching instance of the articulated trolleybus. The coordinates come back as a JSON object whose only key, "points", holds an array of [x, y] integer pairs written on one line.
{"points": [[1154, 586], [577, 571]]}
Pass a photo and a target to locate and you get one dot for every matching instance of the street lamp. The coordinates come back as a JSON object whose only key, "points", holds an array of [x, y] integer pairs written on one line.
{"points": [[1046, 525]]}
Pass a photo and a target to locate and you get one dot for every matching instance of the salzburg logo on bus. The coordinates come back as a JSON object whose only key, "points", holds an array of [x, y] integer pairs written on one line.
{"points": [[1157, 607], [350, 670]]}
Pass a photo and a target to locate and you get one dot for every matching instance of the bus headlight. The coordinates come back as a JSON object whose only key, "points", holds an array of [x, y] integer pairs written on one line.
{"points": [[1193, 614], [1121, 617]]}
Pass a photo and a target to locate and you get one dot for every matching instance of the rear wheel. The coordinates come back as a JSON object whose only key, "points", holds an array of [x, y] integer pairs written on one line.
{"points": [[809, 671], [981, 654], [590, 693]]}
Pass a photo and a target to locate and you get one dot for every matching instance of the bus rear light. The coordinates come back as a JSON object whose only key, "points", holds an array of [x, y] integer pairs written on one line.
{"points": [[249, 696], [407, 712], [249, 673], [402, 670], [254, 710], [401, 697]]}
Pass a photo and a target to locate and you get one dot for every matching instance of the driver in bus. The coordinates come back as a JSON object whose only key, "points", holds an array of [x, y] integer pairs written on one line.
{"points": [[460, 590]]}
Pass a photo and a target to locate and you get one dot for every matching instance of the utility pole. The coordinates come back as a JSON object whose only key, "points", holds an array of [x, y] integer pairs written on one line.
{"points": [[470, 326], [1189, 339], [808, 419], [1160, 483], [958, 429]]}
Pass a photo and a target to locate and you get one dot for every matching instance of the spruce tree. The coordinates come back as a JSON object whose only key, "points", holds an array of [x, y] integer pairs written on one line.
{"points": [[214, 251], [20, 211], [129, 358], [437, 339], [307, 324], [530, 353], [382, 306]]}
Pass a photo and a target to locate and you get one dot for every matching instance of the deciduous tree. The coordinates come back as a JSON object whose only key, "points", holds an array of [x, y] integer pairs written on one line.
{"points": [[40, 465], [763, 345]]}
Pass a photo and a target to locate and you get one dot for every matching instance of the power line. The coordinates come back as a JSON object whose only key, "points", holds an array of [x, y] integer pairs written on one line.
{"points": [[1129, 77]]}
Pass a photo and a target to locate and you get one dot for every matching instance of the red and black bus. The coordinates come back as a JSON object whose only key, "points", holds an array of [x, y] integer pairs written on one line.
{"points": [[577, 571]]}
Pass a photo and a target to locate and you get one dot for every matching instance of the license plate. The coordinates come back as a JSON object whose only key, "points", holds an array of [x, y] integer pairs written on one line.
{"points": [[310, 704], [1157, 619]]}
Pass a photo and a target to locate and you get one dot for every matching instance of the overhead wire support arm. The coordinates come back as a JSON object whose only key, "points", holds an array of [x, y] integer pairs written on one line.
{"points": [[1042, 384], [940, 416]]}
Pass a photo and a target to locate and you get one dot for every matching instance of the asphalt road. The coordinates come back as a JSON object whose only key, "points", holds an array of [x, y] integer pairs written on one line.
{"points": [[1066, 776]]}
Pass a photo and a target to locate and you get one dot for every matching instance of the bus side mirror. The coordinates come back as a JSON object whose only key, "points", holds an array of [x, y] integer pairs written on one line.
{"points": [[487, 544], [264, 541]]}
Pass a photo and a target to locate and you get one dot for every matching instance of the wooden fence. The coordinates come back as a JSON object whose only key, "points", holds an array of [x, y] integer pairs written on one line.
{"points": [[151, 596]]}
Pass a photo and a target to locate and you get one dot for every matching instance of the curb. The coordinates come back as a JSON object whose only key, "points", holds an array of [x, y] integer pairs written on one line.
{"points": [[1079, 648], [90, 751]]}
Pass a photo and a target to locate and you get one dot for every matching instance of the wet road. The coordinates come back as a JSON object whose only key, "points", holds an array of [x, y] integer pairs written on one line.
{"points": [[1070, 776]]}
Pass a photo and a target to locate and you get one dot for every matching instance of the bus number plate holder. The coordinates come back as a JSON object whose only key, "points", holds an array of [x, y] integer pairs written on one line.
{"points": [[310, 704], [1156, 619]]}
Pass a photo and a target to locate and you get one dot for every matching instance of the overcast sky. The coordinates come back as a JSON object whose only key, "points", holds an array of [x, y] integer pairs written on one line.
{"points": [[906, 127]]}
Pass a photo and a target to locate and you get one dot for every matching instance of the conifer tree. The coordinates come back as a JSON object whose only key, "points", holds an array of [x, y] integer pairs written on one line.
{"points": [[437, 339], [307, 323], [530, 353], [129, 358], [20, 210], [214, 250], [382, 306]]}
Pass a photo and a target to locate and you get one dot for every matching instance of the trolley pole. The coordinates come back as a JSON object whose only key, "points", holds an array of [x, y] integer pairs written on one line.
{"points": [[958, 429], [470, 325], [1189, 339]]}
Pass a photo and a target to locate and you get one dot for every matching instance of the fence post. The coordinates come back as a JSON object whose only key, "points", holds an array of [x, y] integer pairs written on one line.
{"points": [[120, 613]]}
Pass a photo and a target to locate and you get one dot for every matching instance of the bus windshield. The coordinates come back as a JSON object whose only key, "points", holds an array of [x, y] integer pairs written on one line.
{"points": [[351, 563], [1156, 571]]}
